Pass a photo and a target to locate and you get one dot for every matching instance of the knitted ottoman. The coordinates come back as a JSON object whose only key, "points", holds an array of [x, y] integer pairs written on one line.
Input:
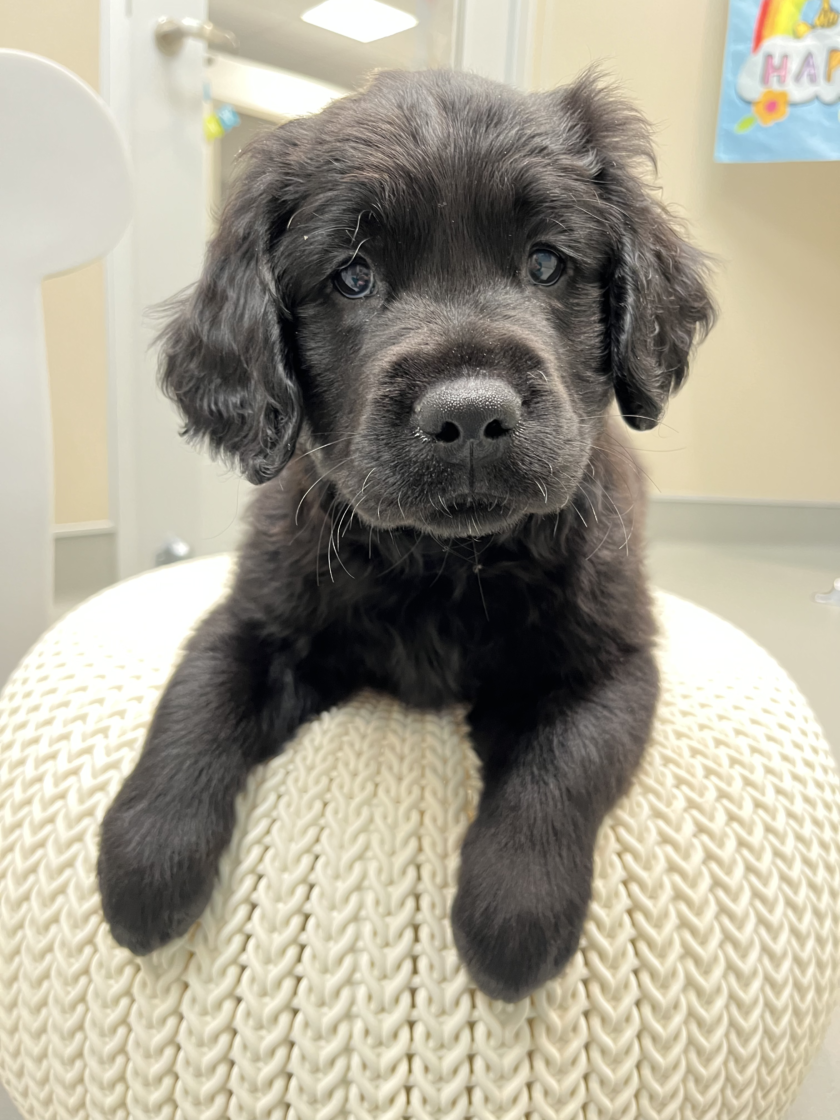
{"points": [[322, 981]]}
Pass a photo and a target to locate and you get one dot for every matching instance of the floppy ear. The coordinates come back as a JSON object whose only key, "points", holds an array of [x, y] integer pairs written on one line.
{"points": [[658, 308], [223, 359], [658, 304]]}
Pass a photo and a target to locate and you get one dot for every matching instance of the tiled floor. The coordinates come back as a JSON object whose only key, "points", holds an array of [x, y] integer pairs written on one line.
{"points": [[7, 1109], [766, 592]]}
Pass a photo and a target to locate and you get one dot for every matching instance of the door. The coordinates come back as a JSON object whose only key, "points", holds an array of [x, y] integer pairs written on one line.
{"points": [[161, 488]]}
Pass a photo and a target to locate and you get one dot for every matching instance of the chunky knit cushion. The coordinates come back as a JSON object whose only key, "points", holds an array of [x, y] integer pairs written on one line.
{"points": [[322, 981]]}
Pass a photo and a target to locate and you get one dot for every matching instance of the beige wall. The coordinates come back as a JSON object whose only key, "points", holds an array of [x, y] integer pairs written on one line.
{"points": [[68, 32], [760, 415]]}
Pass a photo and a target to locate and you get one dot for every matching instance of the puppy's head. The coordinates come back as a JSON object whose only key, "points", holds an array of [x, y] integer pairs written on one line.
{"points": [[441, 283]]}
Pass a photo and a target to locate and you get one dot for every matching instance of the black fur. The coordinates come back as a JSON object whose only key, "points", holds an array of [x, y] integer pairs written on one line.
{"points": [[514, 584]]}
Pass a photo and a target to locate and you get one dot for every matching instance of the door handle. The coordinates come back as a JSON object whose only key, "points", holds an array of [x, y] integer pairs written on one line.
{"points": [[171, 33]]}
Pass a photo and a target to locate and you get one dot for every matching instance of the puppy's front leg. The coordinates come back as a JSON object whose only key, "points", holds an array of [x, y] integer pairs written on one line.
{"points": [[235, 697], [551, 771]]}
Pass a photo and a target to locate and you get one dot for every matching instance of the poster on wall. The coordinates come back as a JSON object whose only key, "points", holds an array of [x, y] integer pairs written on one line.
{"points": [[780, 98]]}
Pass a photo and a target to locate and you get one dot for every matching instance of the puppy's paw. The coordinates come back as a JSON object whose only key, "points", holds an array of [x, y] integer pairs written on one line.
{"points": [[517, 918], [155, 877]]}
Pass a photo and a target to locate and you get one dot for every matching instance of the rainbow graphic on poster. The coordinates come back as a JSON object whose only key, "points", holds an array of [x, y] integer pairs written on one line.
{"points": [[780, 98]]}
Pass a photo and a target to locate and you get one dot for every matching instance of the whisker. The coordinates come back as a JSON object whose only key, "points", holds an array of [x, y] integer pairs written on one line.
{"points": [[344, 513], [631, 459], [364, 484], [591, 503], [651, 419], [443, 565], [403, 556], [608, 496], [356, 251], [336, 544], [591, 554], [323, 445], [353, 501], [477, 570], [312, 487], [356, 230], [330, 539], [318, 550]]}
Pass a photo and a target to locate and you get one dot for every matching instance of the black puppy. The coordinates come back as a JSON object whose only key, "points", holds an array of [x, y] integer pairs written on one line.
{"points": [[433, 290]]}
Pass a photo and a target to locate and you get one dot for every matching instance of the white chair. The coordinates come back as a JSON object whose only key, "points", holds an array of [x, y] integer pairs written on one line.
{"points": [[65, 199]]}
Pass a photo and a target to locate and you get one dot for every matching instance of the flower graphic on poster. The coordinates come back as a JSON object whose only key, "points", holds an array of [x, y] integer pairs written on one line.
{"points": [[771, 107], [783, 67]]}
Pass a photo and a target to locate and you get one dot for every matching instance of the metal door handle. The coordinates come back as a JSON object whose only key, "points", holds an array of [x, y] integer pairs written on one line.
{"points": [[171, 33]]}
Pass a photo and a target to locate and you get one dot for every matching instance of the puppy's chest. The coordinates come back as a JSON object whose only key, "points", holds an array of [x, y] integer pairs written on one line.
{"points": [[433, 646]]}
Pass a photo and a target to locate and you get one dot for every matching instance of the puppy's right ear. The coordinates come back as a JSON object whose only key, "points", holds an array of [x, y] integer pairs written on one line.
{"points": [[223, 359]]}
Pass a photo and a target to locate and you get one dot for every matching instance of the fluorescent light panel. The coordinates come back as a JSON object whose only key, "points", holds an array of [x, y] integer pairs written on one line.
{"points": [[265, 91], [362, 20]]}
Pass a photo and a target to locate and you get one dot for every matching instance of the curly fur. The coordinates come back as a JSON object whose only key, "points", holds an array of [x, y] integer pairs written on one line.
{"points": [[515, 586]]}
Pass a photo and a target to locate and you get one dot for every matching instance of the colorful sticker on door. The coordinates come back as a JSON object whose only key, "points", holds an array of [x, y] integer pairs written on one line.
{"points": [[780, 98]]}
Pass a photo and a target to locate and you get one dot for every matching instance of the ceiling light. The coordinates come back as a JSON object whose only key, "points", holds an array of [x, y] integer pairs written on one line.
{"points": [[363, 20]]}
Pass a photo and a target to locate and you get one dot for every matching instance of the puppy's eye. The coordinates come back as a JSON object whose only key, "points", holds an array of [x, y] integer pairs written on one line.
{"points": [[355, 279], [545, 267]]}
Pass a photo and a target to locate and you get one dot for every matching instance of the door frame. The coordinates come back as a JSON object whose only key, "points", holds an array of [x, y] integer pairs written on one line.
{"points": [[144, 447]]}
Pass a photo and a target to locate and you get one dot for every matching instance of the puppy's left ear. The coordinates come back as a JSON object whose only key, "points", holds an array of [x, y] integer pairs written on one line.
{"points": [[658, 308], [659, 305]]}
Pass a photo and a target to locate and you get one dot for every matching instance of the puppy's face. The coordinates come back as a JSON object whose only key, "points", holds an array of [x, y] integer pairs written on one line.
{"points": [[442, 283], [449, 329]]}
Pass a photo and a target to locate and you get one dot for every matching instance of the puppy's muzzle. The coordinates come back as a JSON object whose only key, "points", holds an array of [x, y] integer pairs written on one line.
{"points": [[468, 419]]}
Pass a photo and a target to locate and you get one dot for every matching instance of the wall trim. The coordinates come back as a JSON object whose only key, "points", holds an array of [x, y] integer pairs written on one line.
{"points": [[756, 521], [85, 560], [84, 529]]}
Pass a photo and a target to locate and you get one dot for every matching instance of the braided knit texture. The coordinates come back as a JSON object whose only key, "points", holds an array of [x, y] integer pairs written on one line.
{"points": [[322, 981]]}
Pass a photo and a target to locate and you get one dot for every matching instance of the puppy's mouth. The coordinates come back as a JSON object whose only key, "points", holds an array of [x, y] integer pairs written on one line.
{"points": [[470, 514]]}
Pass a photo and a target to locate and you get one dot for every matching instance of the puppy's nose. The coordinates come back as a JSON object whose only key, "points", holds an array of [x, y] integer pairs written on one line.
{"points": [[468, 416]]}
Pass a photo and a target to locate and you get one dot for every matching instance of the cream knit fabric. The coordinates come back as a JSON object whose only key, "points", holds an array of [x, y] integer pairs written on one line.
{"points": [[322, 982]]}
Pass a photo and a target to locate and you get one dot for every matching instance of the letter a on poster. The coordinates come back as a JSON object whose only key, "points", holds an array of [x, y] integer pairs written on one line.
{"points": [[780, 98]]}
